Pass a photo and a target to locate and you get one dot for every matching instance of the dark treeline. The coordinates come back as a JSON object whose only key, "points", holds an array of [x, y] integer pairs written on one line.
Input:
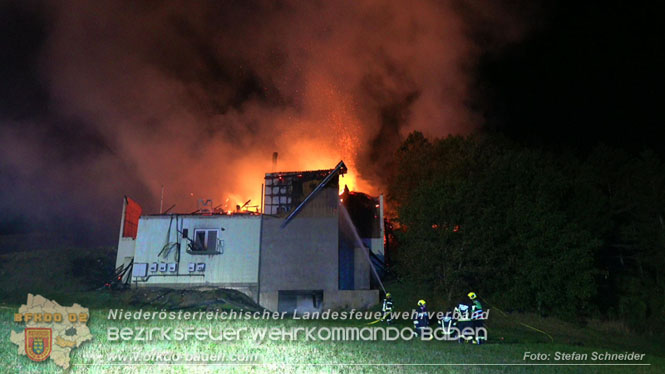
{"points": [[553, 233]]}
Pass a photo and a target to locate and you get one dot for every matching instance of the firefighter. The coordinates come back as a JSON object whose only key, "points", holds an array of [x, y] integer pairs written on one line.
{"points": [[476, 316], [476, 306], [463, 316], [387, 308], [422, 320]]}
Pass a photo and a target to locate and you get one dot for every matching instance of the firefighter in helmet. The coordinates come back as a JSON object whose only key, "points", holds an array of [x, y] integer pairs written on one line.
{"points": [[422, 319], [476, 306], [477, 317], [387, 308]]}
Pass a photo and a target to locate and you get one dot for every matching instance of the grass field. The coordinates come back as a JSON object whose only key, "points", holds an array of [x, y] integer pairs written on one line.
{"points": [[508, 342], [509, 339]]}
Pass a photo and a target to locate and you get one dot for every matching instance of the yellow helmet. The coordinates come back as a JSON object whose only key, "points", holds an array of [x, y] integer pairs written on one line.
{"points": [[472, 295], [388, 295], [421, 302]]}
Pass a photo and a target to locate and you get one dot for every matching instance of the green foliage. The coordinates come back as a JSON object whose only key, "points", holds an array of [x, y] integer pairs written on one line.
{"points": [[540, 232]]}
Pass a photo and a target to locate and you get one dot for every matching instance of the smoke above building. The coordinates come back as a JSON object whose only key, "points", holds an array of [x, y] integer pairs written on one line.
{"points": [[197, 96]]}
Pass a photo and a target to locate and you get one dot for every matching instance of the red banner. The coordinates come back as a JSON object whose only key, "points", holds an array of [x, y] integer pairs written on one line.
{"points": [[132, 213]]}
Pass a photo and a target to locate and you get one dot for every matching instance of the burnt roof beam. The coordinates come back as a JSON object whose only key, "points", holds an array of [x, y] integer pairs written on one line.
{"points": [[340, 168]]}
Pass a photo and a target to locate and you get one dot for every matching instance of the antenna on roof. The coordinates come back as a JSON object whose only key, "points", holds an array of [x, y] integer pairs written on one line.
{"points": [[274, 161]]}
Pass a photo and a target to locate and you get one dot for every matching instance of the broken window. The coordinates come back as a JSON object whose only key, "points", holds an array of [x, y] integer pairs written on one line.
{"points": [[205, 240]]}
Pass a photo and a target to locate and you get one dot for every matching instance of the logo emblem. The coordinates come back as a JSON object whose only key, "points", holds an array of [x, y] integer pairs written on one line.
{"points": [[38, 343]]}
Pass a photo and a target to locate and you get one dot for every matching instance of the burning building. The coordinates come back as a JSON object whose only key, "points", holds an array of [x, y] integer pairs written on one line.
{"points": [[300, 249]]}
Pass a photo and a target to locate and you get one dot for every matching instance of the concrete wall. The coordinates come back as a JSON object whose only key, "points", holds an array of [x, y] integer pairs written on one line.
{"points": [[332, 299], [304, 254], [376, 245], [126, 250], [350, 299], [269, 300], [235, 267], [361, 269], [354, 260]]}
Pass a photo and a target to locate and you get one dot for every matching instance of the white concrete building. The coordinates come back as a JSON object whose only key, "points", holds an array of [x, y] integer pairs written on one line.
{"points": [[302, 254]]}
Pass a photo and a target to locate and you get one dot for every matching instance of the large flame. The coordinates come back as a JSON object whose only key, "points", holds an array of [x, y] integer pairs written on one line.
{"points": [[329, 133], [306, 155]]}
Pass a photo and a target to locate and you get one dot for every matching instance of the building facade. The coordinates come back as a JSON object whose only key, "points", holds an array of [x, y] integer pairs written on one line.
{"points": [[301, 254]]}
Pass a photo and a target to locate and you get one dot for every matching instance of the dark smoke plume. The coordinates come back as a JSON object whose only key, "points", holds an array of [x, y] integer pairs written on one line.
{"points": [[105, 98]]}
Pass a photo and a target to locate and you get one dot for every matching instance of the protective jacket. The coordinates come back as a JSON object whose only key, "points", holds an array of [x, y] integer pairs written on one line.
{"points": [[476, 310], [422, 320], [462, 313], [387, 309], [387, 305]]}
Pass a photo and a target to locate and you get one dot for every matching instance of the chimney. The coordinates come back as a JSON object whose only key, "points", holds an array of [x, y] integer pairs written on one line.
{"points": [[274, 161]]}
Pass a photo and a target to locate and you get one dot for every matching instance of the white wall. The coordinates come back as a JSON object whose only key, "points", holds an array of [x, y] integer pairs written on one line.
{"points": [[236, 267], [126, 249]]}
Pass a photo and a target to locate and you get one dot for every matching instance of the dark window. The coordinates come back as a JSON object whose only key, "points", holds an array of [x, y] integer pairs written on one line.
{"points": [[200, 241], [205, 240], [211, 244]]}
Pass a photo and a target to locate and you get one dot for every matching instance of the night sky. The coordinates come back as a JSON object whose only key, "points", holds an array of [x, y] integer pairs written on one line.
{"points": [[589, 73], [102, 100]]}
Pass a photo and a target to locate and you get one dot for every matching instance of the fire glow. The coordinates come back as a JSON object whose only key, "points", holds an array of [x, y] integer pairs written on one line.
{"points": [[196, 99], [253, 178]]}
